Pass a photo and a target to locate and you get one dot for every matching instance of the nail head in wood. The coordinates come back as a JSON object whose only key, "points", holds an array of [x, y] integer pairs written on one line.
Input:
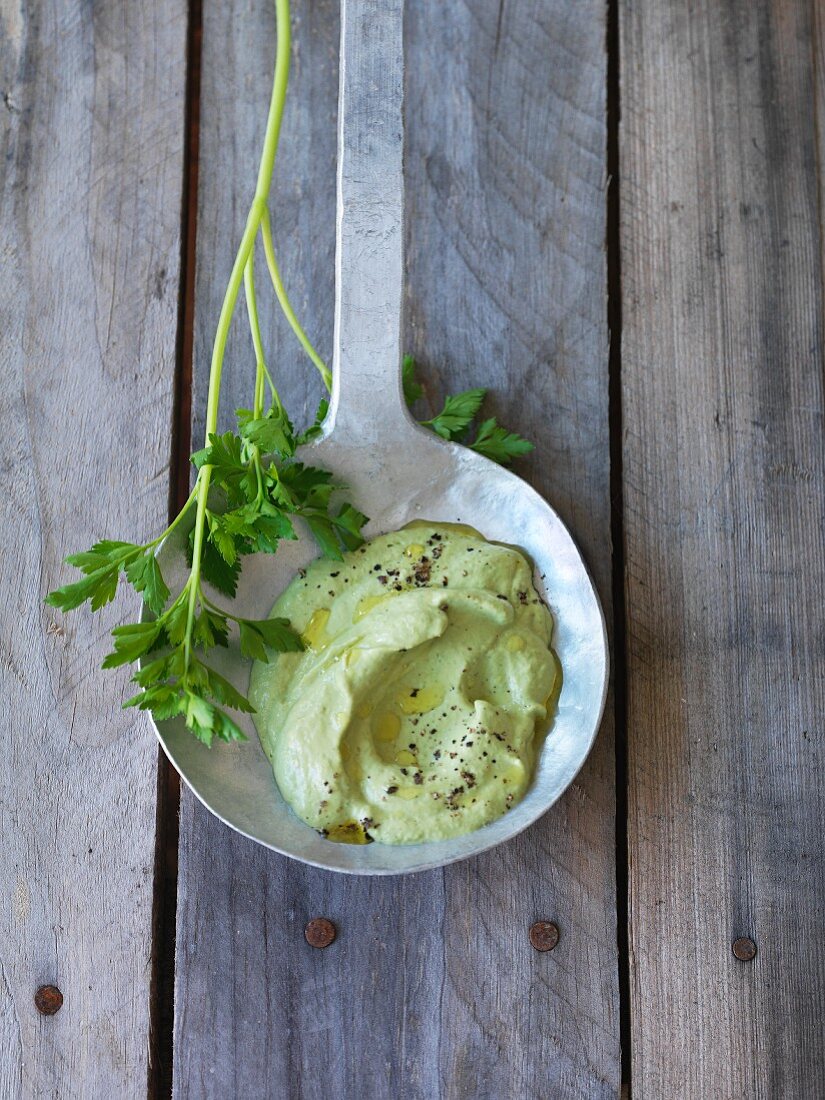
{"points": [[48, 1000], [320, 932], [744, 949], [544, 935]]}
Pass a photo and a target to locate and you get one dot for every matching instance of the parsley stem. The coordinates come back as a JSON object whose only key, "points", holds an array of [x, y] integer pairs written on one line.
{"points": [[175, 521], [255, 329], [289, 313], [218, 350], [257, 213], [221, 611], [276, 103], [258, 400], [272, 388], [253, 221]]}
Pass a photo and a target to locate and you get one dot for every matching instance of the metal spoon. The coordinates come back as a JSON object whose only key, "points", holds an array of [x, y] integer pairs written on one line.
{"points": [[396, 472]]}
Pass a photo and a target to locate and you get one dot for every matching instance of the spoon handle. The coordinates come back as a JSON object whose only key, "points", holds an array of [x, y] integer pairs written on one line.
{"points": [[367, 396]]}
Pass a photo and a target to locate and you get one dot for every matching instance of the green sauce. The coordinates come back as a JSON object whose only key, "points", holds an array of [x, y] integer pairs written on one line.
{"points": [[419, 706]]}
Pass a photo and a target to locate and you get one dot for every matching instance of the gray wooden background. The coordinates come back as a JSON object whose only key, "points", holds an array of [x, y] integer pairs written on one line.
{"points": [[687, 458]]}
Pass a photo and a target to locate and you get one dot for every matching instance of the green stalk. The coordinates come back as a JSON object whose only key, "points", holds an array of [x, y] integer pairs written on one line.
{"points": [[174, 523], [253, 221], [215, 370], [255, 329], [286, 306]]}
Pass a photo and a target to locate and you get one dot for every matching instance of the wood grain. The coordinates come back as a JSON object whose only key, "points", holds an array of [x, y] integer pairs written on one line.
{"points": [[431, 988], [724, 489], [91, 126]]}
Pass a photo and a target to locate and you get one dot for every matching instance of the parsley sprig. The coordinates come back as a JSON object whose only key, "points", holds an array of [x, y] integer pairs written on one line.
{"points": [[253, 503], [250, 488], [456, 419]]}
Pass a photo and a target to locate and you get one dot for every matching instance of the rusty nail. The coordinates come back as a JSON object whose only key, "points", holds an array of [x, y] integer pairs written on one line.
{"points": [[48, 1000], [744, 949], [544, 935], [320, 932]]}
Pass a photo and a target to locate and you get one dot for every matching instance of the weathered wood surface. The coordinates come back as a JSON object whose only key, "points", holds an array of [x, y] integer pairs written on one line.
{"points": [[431, 988], [724, 493], [91, 128]]}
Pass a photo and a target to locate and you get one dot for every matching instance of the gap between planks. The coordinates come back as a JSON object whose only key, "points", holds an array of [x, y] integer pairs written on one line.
{"points": [[614, 327], [166, 859]]}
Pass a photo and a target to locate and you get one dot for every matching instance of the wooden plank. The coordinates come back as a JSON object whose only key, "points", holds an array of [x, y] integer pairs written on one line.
{"points": [[431, 988], [506, 229], [724, 490], [91, 173]]}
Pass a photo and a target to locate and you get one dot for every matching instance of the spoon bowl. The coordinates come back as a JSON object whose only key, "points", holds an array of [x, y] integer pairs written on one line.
{"points": [[395, 472], [450, 484]]}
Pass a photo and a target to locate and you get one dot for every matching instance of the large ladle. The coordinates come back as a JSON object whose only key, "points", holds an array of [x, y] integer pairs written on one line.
{"points": [[396, 472]]}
